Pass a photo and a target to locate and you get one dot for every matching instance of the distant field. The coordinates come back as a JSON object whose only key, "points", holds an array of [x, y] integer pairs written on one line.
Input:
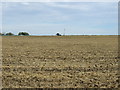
{"points": [[60, 61]]}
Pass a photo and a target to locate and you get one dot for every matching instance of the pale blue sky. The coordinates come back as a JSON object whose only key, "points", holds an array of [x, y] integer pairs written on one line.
{"points": [[48, 18]]}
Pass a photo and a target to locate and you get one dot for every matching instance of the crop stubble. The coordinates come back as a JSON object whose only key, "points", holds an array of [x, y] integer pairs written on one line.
{"points": [[60, 61]]}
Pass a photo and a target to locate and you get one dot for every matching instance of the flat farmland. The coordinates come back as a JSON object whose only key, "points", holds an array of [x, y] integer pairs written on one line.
{"points": [[60, 61]]}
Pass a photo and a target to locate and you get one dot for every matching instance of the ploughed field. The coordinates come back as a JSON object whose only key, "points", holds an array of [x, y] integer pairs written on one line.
{"points": [[60, 61]]}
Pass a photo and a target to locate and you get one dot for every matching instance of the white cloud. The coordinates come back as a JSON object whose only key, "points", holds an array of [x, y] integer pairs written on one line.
{"points": [[25, 3], [83, 7], [59, 0], [54, 15]]}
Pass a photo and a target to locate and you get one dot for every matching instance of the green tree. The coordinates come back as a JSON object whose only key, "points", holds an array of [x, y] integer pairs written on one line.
{"points": [[58, 34], [23, 33], [9, 34], [2, 34]]}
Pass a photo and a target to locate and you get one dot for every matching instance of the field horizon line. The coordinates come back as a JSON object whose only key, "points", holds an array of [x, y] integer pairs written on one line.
{"points": [[60, 36]]}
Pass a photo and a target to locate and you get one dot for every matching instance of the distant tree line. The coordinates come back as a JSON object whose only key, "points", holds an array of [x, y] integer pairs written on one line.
{"points": [[21, 34], [11, 34]]}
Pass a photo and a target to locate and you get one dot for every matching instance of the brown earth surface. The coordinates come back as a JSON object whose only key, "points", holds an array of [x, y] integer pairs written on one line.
{"points": [[60, 62]]}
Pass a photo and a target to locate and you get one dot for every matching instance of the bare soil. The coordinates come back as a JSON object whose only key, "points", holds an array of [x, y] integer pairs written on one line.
{"points": [[60, 61]]}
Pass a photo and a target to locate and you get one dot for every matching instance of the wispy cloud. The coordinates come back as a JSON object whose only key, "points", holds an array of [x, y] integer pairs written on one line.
{"points": [[25, 3], [83, 7], [55, 16], [59, 0]]}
